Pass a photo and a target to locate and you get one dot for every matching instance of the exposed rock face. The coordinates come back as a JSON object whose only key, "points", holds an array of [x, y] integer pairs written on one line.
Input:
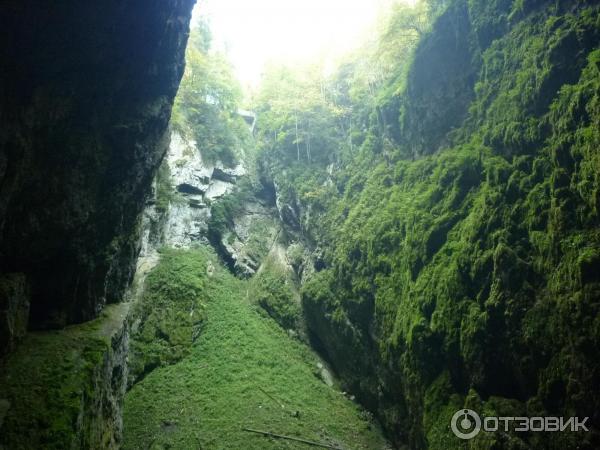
{"points": [[248, 241], [288, 210], [85, 98], [198, 183], [189, 173]]}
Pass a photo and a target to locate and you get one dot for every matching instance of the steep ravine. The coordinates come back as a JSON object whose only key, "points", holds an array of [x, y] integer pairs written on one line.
{"points": [[364, 259], [243, 371], [206, 360]]}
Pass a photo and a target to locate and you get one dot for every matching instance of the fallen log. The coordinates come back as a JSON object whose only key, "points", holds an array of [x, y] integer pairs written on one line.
{"points": [[291, 438], [272, 398]]}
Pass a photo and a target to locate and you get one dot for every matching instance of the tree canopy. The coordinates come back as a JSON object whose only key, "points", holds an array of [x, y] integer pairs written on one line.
{"points": [[207, 102]]}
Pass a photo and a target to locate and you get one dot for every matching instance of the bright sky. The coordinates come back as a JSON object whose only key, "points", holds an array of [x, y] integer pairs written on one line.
{"points": [[255, 32]]}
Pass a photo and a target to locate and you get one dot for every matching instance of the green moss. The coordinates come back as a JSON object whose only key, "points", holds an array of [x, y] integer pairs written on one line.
{"points": [[239, 373], [226, 209], [50, 382], [272, 288], [474, 269], [170, 312], [261, 235]]}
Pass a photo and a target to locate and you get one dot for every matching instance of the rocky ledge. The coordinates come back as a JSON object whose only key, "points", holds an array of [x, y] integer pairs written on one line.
{"points": [[64, 389]]}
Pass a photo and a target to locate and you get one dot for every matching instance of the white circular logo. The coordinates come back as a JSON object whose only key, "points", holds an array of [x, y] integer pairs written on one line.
{"points": [[466, 424]]}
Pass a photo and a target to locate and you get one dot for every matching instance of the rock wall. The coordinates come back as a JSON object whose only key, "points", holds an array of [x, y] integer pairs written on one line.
{"points": [[187, 193], [178, 212], [64, 389], [196, 183], [459, 266], [86, 90]]}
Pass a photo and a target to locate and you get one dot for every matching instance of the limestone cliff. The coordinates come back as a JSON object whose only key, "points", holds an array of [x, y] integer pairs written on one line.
{"points": [[86, 90]]}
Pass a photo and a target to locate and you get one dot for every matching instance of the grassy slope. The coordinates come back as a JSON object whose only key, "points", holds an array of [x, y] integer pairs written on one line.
{"points": [[204, 400]]}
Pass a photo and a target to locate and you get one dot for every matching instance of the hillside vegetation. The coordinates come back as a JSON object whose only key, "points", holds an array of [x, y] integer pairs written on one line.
{"points": [[243, 371], [448, 178]]}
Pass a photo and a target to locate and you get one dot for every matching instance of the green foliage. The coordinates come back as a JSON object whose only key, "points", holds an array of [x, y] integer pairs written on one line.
{"points": [[467, 276], [227, 208], [272, 289], [240, 372], [297, 119], [169, 315], [205, 108], [310, 124]]}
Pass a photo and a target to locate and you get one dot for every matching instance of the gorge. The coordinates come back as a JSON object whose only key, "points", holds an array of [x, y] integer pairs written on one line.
{"points": [[346, 258]]}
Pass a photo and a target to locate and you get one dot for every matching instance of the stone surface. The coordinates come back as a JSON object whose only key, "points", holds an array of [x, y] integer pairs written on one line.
{"points": [[250, 238], [187, 167], [14, 310], [87, 89], [198, 183], [227, 175]]}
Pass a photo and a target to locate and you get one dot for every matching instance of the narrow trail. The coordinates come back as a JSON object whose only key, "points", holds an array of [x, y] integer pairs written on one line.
{"points": [[244, 371]]}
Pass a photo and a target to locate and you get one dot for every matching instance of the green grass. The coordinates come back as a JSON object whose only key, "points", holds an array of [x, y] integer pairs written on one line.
{"points": [[206, 399]]}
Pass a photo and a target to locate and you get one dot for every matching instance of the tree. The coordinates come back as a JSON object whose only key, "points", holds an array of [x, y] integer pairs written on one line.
{"points": [[298, 115], [206, 105]]}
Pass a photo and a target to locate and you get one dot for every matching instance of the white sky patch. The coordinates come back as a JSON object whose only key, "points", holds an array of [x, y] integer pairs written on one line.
{"points": [[255, 32]]}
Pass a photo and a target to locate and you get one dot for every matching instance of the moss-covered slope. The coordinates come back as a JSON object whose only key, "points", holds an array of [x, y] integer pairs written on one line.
{"points": [[64, 389], [244, 371]]}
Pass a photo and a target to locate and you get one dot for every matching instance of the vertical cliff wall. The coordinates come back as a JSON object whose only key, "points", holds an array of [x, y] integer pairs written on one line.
{"points": [[464, 274], [86, 90], [455, 247]]}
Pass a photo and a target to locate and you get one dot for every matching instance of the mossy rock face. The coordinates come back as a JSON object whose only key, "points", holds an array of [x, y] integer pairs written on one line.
{"points": [[273, 288], [440, 83], [467, 277], [64, 389], [243, 228], [169, 315]]}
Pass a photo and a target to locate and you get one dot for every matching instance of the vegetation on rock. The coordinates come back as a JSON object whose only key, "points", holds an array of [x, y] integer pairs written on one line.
{"points": [[439, 197], [64, 389], [168, 317], [458, 217]]}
